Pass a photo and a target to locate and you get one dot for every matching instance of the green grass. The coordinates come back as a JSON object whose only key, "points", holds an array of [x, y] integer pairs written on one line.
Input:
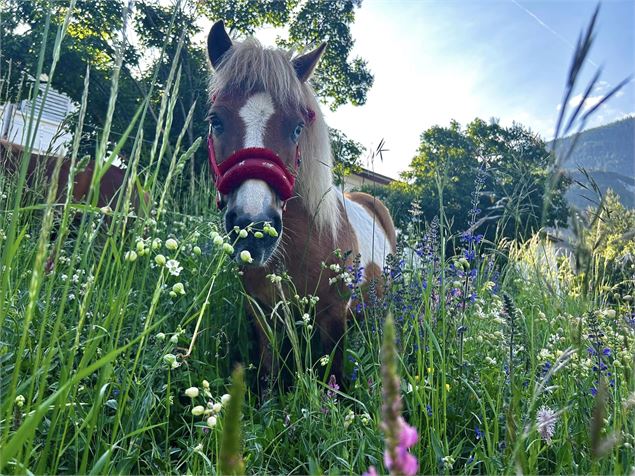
{"points": [[92, 379]]}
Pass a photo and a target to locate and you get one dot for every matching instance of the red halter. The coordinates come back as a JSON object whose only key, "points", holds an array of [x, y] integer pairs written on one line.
{"points": [[253, 163]]}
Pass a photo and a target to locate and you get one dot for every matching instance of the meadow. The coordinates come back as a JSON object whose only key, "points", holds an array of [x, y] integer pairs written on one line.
{"points": [[509, 358]]}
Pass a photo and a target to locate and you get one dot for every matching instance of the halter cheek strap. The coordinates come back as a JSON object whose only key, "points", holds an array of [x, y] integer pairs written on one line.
{"points": [[254, 163]]}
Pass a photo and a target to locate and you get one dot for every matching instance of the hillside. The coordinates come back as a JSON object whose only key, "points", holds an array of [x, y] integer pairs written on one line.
{"points": [[607, 153]]}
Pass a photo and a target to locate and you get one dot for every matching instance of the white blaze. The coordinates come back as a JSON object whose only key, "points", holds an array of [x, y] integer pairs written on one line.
{"points": [[253, 197], [255, 114]]}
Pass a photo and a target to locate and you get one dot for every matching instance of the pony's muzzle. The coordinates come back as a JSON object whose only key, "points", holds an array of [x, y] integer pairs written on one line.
{"points": [[253, 220]]}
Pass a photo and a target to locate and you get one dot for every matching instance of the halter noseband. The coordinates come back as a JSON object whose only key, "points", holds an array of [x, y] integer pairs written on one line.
{"points": [[253, 163]]}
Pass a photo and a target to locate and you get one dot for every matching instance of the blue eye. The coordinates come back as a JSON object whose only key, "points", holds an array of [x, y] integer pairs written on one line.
{"points": [[217, 125], [295, 136]]}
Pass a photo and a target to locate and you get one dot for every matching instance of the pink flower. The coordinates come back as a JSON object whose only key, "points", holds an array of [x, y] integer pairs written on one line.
{"points": [[405, 463], [371, 472]]}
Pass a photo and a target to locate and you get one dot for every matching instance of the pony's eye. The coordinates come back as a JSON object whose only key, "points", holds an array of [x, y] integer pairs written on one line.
{"points": [[217, 124], [295, 136]]}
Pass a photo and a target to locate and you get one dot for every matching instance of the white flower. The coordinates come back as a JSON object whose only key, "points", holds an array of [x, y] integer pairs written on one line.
{"points": [[174, 339], [178, 288], [192, 392], [156, 243], [173, 267], [171, 244], [106, 210], [610, 313], [205, 384], [198, 448], [227, 248], [198, 410], [348, 419], [19, 401], [546, 420], [211, 421], [217, 407], [243, 233], [130, 256], [160, 336], [160, 260], [324, 360], [140, 246], [225, 399], [218, 240], [335, 267], [245, 256]]}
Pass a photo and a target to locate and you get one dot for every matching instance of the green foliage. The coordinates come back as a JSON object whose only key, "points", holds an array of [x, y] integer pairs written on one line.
{"points": [[162, 31], [513, 162], [346, 154]]}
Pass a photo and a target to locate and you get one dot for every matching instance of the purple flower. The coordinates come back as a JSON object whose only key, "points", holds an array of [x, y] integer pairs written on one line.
{"points": [[333, 386]]}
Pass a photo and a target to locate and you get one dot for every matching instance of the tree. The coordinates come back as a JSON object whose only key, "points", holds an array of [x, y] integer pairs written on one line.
{"points": [[506, 166], [94, 34], [346, 153]]}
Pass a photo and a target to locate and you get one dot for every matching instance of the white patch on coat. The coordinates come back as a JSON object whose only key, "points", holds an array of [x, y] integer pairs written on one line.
{"points": [[253, 197], [256, 113], [372, 241]]}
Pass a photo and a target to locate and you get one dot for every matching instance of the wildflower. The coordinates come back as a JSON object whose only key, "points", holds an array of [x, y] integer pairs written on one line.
{"points": [[225, 399], [156, 243], [106, 210], [627, 297], [245, 256], [19, 401], [448, 461], [447, 387], [198, 448], [269, 230], [160, 260], [160, 336], [192, 392], [324, 360], [258, 234], [171, 244], [173, 267], [197, 251], [217, 407], [478, 432], [348, 419], [218, 240], [198, 410], [211, 421], [140, 247], [333, 388], [400, 436], [546, 423], [365, 419], [130, 256], [178, 288], [227, 248], [243, 233], [174, 339], [205, 384], [371, 472], [170, 359], [610, 313]]}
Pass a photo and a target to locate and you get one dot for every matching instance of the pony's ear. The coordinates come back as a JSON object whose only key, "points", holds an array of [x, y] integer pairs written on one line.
{"points": [[305, 64], [218, 43]]}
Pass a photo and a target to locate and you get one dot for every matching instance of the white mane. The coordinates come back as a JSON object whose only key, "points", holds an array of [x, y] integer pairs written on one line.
{"points": [[249, 67]]}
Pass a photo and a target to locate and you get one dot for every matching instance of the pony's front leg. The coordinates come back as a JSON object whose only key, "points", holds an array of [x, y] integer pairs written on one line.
{"points": [[332, 325]]}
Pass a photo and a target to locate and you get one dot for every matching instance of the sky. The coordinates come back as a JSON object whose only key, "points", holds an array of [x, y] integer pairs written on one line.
{"points": [[434, 61]]}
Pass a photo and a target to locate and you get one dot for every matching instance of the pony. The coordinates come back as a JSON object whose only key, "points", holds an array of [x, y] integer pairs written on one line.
{"points": [[41, 167], [270, 155]]}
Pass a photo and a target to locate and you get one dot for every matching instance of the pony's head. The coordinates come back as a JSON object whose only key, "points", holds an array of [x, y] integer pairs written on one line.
{"points": [[264, 120]]}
